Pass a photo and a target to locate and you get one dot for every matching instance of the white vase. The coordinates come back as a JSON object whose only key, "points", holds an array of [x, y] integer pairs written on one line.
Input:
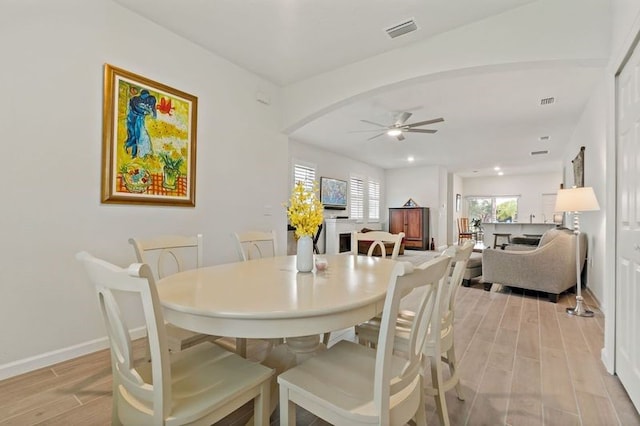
{"points": [[304, 254]]}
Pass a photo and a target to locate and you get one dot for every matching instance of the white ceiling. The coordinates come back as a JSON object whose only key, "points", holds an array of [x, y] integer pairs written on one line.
{"points": [[491, 119]]}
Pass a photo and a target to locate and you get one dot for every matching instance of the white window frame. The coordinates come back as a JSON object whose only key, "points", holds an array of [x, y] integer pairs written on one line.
{"points": [[310, 177], [373, 200], [357, 201]]}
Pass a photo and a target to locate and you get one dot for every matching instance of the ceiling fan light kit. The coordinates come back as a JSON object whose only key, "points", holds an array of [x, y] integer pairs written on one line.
{"points": [[401, 126]]}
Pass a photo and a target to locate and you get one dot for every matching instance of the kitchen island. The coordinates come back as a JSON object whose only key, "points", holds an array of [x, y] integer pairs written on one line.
{"points": [[513, 228]]}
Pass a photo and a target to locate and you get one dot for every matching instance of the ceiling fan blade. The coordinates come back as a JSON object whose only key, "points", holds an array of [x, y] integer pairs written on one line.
{"points": [[424, 123], [402, 118], [421, 130], [375, 124], [400, 137], [364, 131], [378, 135]]}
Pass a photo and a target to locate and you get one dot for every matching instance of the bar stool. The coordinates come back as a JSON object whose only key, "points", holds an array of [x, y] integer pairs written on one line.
{"points": [[500, 235]]}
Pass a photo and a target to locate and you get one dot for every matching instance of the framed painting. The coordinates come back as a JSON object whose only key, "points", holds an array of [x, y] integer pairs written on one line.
{"points": [[149, 141], [578, 169]]}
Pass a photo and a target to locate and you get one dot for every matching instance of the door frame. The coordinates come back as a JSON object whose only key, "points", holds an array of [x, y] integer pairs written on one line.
{"points": [[617, 62]]}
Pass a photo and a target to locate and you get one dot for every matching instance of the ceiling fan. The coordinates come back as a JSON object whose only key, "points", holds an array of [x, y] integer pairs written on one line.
{"points": [[401, 126]]}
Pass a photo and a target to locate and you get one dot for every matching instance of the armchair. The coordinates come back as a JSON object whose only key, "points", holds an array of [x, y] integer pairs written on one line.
{"points": [[550, 267]]}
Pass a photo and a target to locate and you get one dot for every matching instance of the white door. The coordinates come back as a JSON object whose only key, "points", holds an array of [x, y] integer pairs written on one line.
{"points": [[628, 227]]}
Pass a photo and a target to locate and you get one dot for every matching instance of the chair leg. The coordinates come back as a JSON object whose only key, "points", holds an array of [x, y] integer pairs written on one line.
{"points": [[262, 405], [241, 347], [287, 408], [451, 361], [421, 415], [438, 384]]}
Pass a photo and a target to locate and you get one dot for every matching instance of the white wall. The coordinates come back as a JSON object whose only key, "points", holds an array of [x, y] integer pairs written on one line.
{"points": [[591, 133], [529, 187], [336, 166], [51, 116], [426, 186]]}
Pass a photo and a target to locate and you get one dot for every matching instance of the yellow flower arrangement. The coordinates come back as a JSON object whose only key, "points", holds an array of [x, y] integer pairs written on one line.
{"points": [[305, 210]]}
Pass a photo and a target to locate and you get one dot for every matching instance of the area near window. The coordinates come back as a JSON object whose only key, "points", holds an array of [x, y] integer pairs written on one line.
{"points": [[304, 173], [493, 208]]}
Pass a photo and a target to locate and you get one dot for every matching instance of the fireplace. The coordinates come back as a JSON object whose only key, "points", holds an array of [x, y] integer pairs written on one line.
{"points": [[344, 242], [338, 235]]}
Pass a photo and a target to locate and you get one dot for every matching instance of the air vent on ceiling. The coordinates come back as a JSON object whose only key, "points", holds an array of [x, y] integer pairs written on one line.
{"points": [[547, 101], [539, 152], [403, 28], [544, 138]]}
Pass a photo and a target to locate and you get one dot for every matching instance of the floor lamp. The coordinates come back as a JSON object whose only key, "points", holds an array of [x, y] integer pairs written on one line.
{"points": [[577, 200]]}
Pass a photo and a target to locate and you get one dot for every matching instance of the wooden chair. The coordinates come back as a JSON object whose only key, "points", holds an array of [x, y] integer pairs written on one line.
{"points": [[379, 238], [464, 232], [168, 254], [356, 385], [435, 350], [255, 244], [199, 385]]}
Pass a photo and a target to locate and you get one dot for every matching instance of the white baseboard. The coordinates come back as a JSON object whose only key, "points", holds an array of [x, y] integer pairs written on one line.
{"points": [[26, 365]]}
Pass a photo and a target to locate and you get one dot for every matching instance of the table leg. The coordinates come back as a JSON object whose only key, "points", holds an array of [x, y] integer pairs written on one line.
{"points": [[287, 355]]}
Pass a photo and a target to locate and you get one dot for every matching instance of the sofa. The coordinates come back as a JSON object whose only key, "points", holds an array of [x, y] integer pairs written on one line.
{"points": [[550, 267]]}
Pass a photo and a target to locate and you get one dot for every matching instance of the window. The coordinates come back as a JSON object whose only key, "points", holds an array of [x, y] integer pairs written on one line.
{"points": [[356, 201], [494, 208], [374, 200], [305, 174]]}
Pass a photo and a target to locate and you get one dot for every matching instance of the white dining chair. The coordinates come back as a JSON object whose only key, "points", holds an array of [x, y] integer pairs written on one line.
{"points": [[351, 384], [436, 354], [255, 244], [199, 385], [169, 254], [378, 239]]}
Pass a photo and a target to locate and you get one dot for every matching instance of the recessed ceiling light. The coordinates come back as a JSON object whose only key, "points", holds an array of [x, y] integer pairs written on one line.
{"points": [[496, 168], [500, 173], [394, 132], [410, 159]]}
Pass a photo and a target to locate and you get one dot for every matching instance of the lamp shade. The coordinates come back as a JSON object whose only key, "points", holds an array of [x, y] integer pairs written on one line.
{"points": [[576, 200]]}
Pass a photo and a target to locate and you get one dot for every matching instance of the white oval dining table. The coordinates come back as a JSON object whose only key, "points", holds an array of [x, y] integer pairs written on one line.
{"points": [[268, 298]]}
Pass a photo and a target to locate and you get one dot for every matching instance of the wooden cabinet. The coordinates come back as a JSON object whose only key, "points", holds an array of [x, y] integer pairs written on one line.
{"points": [[414, 222]]}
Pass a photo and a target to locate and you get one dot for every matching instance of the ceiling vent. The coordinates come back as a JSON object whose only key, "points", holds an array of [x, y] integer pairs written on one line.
{"points": [[544, 138], [403, 28], [545, 152], [547, 101]]}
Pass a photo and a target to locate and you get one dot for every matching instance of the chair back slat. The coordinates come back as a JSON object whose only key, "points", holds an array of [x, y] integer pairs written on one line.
{"points": [[255, 244], [430, 276], [153, 392], [378, 238], [166, 254]]}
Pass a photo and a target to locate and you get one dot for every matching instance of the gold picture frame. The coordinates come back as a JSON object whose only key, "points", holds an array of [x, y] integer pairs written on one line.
{"points": [[149, 141]]}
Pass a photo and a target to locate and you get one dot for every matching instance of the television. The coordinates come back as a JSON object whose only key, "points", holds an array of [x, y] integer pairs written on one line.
{"points": [[333, 193]]}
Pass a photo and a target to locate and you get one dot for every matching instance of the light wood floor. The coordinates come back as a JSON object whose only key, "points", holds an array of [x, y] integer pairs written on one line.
{"points": [[523, 362]]}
